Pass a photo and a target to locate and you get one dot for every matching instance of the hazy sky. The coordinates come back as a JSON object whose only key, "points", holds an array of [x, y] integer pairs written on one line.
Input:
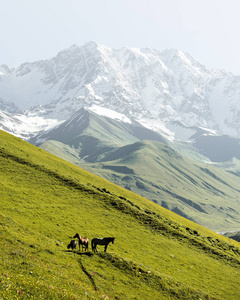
{"points": [[31, 30]]}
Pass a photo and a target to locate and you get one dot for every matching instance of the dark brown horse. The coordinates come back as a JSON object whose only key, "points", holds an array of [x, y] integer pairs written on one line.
{"points": [[82, 241], [102, 242], [72, 245]]}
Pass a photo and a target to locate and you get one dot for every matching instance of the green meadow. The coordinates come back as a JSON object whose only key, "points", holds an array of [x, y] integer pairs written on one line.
{"points": [[157, 254]]}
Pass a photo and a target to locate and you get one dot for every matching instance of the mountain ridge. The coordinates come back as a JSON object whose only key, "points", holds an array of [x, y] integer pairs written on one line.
{"points": [[140, 83]]}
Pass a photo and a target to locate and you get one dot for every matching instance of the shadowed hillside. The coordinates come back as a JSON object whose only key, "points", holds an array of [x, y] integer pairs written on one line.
{"points": [[141, 160], [157, 254], [200, 192]]}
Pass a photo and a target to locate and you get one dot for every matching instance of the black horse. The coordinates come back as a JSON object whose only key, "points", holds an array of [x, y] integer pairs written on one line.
{"points": [[103, 242]]}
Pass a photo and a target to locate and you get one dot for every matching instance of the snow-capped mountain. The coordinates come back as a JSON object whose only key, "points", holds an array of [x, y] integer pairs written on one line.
{"points": [[153, 87]]}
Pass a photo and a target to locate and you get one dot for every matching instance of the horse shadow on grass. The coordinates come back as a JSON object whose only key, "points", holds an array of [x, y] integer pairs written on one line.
{"points": [[87, 253]]}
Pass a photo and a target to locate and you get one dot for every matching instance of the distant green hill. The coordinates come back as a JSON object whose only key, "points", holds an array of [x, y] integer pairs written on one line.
{"points": [[200, 192], [157, 254], [89, 136], [142, 161]]}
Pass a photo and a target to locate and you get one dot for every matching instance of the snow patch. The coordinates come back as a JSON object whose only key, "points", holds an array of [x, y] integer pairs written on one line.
{"points": [[105, 112], [157, 126]]}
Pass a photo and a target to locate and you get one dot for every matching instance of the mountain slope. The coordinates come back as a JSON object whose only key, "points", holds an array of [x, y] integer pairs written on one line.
{"points": [[117, 151], [92, 135], [167, 91], [202, 193], [45, 201]]}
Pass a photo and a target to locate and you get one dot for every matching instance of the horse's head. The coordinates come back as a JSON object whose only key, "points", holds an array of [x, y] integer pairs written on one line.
{"points": [[76, 236], [113, 240]]}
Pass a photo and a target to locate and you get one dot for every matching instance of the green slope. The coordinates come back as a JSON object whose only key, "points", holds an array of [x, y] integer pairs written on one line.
{"points": [[156, 255], [200, 192], [88, 136]]}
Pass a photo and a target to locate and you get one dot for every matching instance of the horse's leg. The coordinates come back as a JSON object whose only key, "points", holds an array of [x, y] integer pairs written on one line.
{"points": [[105, 250], [81, 244], [92, 245]]}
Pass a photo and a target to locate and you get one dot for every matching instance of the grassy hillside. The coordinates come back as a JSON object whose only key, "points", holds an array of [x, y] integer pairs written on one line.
{"points": [[156, 255], [200, 192], [89, 136]]}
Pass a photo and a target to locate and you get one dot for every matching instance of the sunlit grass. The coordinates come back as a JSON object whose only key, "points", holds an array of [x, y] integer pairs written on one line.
{"points": [[156, 254]]}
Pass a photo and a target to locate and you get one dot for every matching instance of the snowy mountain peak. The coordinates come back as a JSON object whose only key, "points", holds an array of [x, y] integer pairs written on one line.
{"points": [[145, 84], [5, 69]]}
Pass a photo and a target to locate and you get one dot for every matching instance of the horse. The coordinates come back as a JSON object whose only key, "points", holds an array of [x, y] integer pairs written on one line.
{"points": [[72, 245], [82, 241], [103, 242]]}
